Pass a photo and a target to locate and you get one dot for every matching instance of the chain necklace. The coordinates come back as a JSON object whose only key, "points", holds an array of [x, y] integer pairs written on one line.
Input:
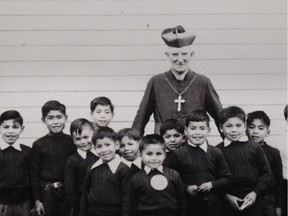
{"points": [[179, 100]]}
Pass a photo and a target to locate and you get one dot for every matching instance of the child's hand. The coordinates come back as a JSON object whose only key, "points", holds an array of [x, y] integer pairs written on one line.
{"points": [[278, 211], [205, 187], [192, 190], [39, 208], [233, 201], [249, 200]]}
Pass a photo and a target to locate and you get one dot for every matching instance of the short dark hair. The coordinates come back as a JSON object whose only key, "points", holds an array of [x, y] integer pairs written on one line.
{"points": [[231, 112], [131, 133], [11, 114], [53, 105], [104, 132], [78, 124], [258, 115], [285, 112], [197, 116], [104, 101], [151, 139], [171, 124]]}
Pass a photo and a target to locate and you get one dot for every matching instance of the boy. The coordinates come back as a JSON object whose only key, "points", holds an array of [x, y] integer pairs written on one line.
{"points": [[202, 168], [107, 184], [172, 133], [156, 190], [49, 155], [102, 112], [128, 139], [257, 130], [77, 164], [247, 163], [14, 165]]}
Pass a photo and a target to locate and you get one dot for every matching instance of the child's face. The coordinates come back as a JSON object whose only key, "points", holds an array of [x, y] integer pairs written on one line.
{"points": [[233, 129], [129, 148], [10, 131], [257, 131], [197, 132], [55, 121], [173, 139], [102, 115], [153, 155], [83, 141], [106, 149]]}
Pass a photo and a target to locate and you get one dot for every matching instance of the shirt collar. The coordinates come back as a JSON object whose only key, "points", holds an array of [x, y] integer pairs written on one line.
{"points": [[148, 169], [16, 145], [82, 153], [137, 162], [203, 146], [92, 150], [113, 164], [180, 77], [228, 142]]}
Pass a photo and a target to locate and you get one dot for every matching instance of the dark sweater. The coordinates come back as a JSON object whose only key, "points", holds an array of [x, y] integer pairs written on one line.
{"points": [[249, 167], [75, 171], [275, 186], [14, 175], [196, 167], [148, 201], [167, 160], [48, 156], [105, 193]]}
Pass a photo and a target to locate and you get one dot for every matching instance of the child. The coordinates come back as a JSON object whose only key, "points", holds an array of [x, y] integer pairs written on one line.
{"points": [[107, 184], [202, 168], [156, 190], [14, 165], [49, 155], [102, 112], [247, 163], [128, 139], [172, 133], [257, 130], [77, 164]]}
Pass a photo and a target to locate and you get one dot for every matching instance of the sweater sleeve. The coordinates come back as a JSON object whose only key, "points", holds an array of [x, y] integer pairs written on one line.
{"points": [[277, 168], [146, 108], [264, 171], [35, 171], [85, 192], [125, 188], [70, 183], [180, 196]]}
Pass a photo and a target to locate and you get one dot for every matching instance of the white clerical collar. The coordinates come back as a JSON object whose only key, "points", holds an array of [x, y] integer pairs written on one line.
{"points": [[82, 153], [180, 77], [137, 162], [228, 142], [113, 164], [4, 145], [203, 146], [148, 169]]}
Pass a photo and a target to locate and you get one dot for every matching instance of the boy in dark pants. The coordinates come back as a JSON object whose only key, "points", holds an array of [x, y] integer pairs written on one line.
{"points": [[248, 164], [14, 167], [77, 164], [202, 168], [49, 155], [258, 124]]}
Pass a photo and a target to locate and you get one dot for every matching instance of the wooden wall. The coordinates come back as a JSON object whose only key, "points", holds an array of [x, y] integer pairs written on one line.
{"points": [[76, 50]]}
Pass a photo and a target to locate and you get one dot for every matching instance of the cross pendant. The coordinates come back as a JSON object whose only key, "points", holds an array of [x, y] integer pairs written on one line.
{"points": [[179, 100]]}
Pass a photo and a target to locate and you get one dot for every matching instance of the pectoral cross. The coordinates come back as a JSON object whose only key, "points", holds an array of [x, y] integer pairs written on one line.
{"points": [[179, 100]]}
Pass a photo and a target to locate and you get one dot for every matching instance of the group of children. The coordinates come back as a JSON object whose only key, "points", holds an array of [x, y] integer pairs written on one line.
{"points": [[98, 172]]}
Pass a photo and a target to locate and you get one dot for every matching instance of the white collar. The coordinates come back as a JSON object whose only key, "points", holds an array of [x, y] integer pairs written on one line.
{"points": [[180, 77], [82, 153], [203, 146], [92, 150], [148, 169], [113, 164], [228, 142], [137, 162], [16, 145]]}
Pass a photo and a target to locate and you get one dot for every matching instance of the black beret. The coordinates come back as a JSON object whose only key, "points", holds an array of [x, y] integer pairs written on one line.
{"points": [[177, 37]]}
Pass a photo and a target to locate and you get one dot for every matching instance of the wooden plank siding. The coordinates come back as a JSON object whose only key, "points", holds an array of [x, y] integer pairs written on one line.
{"points": [[74, 51]]}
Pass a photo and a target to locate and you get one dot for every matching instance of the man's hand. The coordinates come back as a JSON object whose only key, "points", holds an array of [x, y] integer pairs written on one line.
{"points": [[233, 201], [39, 208], [249, 200], [192, 190], [205, 187]]}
